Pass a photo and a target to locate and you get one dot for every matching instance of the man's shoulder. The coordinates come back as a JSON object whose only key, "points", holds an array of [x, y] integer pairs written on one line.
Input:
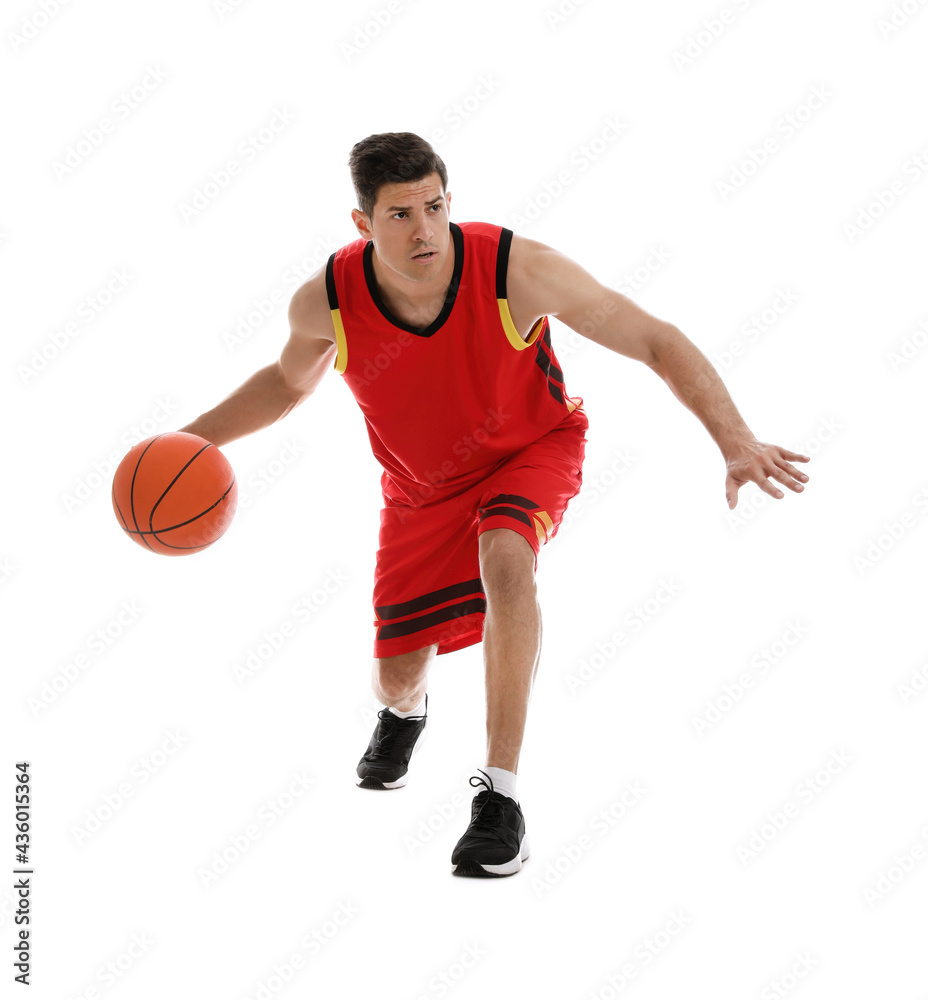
{"points": [[352, 247], [490, 230], [309, 307], [505, 235], [317, 296], [527, 258]]}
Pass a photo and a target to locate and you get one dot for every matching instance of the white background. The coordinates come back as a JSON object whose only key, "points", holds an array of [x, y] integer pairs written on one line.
{"points": [[836, 570]]}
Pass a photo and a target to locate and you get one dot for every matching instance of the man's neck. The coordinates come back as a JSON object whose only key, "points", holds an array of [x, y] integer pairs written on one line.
{"points": [[402, 295]]}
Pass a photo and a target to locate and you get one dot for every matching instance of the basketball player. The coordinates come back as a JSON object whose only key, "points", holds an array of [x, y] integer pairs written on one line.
{"points": [[441, 332]]}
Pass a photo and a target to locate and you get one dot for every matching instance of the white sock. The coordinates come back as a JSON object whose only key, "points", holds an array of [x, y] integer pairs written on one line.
{"points": [[418, 710], [503, 781]]}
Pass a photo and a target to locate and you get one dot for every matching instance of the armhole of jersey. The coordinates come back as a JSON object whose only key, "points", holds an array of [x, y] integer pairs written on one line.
{"points": [[502, 265], [341, 357]]}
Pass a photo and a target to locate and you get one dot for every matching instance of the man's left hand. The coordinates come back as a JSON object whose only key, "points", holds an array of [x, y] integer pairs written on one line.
{"points": [[753, 461]]}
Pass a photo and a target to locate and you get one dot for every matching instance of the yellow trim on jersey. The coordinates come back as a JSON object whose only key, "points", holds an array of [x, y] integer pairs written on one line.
{"points": [[512, 333], [341, 358]]}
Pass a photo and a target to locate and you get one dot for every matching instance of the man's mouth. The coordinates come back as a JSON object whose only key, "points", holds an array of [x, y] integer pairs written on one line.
{"points": [[426, 255]]}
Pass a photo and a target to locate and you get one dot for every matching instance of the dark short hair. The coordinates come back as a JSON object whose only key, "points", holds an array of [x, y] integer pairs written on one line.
{"points": [[391, 158]]}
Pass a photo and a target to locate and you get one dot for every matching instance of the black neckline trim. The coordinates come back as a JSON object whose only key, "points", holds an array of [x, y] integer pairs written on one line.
{"points": [[458, 237]]}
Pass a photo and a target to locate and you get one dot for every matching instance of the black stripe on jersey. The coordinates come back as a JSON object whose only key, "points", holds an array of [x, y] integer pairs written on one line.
{"points": [[330, 282], [553, 374], [430, 600], [545, 363], [542, 359], [433, 618], [518, 515], [553, 371], [502, 262]]}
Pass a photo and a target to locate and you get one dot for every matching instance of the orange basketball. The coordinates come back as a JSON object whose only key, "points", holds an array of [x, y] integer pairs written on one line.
{"points": [[174, 493]]}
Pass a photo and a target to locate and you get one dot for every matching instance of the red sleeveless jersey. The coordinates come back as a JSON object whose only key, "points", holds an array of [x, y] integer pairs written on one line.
{"points": [[448, 403]]}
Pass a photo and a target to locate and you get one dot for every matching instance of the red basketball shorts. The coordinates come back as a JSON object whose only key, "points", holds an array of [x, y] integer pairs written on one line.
{"points": [[427, 586]]}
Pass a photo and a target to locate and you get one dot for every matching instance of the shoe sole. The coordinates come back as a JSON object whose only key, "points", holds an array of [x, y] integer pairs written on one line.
{"points": [[371, 782], [473, 869]]}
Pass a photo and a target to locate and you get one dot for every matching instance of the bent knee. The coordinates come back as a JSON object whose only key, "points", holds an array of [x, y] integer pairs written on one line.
{"points": [[507, 560], [399, 674]]}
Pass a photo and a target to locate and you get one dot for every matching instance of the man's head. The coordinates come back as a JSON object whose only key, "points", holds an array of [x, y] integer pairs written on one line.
{"points": [[401, 186]]}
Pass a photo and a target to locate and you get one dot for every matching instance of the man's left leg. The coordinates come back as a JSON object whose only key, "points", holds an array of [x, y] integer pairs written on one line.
{"points": [[495, 843], [511, 640], [519, 509]]}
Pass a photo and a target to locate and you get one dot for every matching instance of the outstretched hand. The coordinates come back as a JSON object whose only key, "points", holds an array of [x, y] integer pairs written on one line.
{"points": [[753, 461]]}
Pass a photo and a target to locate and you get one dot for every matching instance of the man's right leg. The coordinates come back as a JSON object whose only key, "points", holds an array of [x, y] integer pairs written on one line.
{"points": [[427, 597], [398, 682]]}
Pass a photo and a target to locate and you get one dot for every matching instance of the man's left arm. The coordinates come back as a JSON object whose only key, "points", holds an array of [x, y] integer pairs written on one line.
{"points": [[557, 286]]}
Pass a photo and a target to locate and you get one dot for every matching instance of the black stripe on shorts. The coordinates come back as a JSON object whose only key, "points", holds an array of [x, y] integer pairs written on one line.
{"points": [[470, 607], [518, 515], [513, 500], [430, 600]]}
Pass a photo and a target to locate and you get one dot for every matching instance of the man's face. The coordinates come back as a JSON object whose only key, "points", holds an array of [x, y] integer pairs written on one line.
{"points": [[410, 219]]}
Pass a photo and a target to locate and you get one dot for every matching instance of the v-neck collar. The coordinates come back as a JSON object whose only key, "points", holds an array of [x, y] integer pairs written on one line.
{"points": [[457, 236]]}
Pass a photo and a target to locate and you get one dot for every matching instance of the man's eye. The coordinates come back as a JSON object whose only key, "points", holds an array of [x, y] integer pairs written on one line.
{"points": [[437, 205]]}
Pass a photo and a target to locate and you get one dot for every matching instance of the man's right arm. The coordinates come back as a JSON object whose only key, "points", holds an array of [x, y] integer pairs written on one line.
{"points": [[272, 392]]}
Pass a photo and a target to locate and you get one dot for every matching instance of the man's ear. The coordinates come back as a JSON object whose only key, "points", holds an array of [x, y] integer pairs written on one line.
{"points": [[362, 223]]}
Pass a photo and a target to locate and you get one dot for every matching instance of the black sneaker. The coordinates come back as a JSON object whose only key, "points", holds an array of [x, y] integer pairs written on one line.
{"points": [[495, 843], [395, 740]]}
